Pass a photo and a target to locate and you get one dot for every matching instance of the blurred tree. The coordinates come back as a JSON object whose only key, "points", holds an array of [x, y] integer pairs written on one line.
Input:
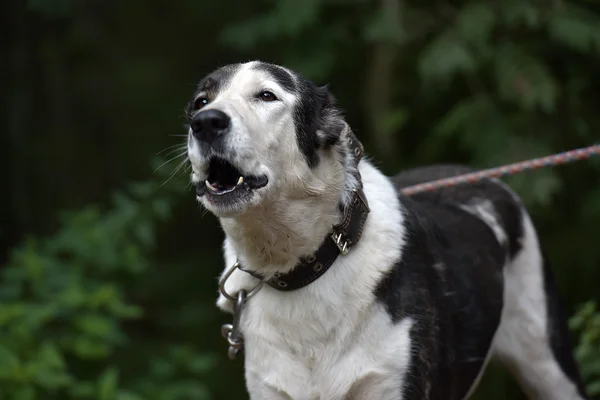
{"points": [[93, 90]]}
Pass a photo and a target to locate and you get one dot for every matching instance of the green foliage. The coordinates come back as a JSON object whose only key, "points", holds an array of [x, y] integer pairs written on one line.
{"points": [[586, 322], [118, 302], [63, 305]]}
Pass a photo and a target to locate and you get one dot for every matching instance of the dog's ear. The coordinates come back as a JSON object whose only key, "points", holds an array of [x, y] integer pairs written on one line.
{"points": [[332, 123], [327, 95]]}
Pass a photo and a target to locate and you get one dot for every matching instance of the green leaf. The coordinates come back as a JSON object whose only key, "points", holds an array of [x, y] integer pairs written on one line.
{"points": [[88, 349], [575, 28], [472, 110], [593, 388], [95, 325], [9, 363], [127, 395], [107, 384], [445, 56], [287, 19], [83, 389], [50, 356], [475, 22], [521, 13], [25, 393], [393, 120], [51, 380], [384, 26], [524, 79]]}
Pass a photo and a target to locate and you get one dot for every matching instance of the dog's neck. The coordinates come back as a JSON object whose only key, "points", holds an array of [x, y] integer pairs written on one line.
{"points": [[272, 238]]}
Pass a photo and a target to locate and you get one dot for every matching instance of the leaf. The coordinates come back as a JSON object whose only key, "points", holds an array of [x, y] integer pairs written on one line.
{"points": [[25, 393], [576, 28], [50, 379], [519, 12], [523, 79], [444, 57], [537, 189], [287, 19], [127, 395], [87, 348], [50, 356], [144, 232], [471, 110], [201, 364], [83, 389], [95, 325], [475, 22], [9, 363], [107, 384], [593, 388], [393, 120], [384, 26]]}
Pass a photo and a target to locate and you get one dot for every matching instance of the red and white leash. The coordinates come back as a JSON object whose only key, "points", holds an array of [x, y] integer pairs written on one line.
{"points": [[505, 170]]}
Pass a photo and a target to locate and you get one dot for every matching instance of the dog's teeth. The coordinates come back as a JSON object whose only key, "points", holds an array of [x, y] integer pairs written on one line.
{"points": [[240, 180], [211, 187]]}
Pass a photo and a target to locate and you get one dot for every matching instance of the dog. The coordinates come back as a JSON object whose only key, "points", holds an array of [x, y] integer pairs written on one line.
{"points": [[343, 288]]}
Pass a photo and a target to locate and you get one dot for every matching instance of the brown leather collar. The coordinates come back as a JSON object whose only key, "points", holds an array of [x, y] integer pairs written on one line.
{"points": [[342, 238]]}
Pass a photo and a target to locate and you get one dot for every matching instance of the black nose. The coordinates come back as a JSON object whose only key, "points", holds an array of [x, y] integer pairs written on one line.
{"points": [[210, 125]]}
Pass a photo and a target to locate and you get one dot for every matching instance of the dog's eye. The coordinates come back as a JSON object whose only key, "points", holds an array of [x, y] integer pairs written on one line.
{"points": [[200, 102], [265, 95]]}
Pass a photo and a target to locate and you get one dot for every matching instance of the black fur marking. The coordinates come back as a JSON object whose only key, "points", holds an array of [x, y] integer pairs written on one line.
{"points": [[317, 120], [279, 75], [315, 112], [308, 118], [449, 282], [558, 331], [210, 85], [440, 232], [506, 206]]}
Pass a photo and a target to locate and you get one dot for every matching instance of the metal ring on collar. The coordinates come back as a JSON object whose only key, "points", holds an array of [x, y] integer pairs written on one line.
{"points": [[251, 292]]}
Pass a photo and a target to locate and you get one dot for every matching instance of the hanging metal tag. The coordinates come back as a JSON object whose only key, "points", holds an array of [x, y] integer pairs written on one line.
{"points": [[231, 332]]}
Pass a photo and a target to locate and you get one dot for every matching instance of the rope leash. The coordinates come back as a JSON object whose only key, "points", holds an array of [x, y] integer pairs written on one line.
{"points": [[505, 170]]}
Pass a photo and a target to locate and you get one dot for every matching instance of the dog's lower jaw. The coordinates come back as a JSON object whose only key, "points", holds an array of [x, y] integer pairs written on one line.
{"points": [[271, 239]]}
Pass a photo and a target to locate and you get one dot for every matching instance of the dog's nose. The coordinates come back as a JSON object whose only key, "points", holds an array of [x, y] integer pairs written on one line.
{"points": [[209, 125]]}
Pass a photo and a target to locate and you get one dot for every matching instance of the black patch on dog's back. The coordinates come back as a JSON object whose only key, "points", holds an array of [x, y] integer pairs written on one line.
{"points": [[449, 282], [506, 206]]}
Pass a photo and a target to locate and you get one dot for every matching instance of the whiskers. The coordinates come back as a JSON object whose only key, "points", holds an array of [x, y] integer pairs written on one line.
{"points": [[174, 153]]}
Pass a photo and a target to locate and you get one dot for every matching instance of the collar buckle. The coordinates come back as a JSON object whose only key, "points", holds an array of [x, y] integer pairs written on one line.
{"points": [[341, 244]]}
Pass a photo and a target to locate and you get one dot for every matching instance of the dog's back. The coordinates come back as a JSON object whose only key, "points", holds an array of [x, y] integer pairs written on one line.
{"points": [[531, 334]]}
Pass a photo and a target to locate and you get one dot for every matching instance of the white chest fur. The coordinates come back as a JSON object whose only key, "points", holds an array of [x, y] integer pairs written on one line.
{"points": [[331, 339]]}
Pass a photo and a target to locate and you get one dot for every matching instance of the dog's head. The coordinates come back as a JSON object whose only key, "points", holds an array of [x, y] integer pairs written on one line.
{"points": [[259, 132]]}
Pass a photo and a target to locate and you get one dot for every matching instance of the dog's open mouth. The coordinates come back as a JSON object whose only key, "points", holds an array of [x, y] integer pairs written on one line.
{"points": [[224, 178]]}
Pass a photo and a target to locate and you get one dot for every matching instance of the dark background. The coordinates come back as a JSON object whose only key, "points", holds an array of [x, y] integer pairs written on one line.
{"points": [[107, 265]]}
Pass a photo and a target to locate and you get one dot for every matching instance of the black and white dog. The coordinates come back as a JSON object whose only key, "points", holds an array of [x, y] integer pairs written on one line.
{"points": [[368, 294]]}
